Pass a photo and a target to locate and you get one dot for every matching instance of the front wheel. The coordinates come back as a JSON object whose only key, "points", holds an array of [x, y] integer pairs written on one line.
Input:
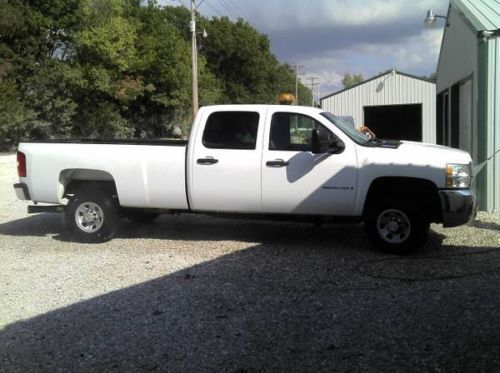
{"points": [[91, 217], [396, 227]]}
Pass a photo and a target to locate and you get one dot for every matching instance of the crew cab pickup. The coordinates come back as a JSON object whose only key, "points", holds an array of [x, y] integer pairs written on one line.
{"points": [[271, 161]]}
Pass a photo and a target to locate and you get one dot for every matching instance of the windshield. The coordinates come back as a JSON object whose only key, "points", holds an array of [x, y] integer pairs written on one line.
{"points": [[345, 127]]}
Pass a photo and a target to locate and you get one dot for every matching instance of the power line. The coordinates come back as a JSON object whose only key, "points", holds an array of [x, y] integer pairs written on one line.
{"points": [[226, 8], [229, 8], [235, 7], [211, 6]]}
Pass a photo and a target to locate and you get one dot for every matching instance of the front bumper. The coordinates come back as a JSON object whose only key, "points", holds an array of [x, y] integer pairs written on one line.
{"points": [[458, 206], [22, 191]]}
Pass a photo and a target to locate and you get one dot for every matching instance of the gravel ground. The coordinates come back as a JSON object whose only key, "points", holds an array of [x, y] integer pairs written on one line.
{"points": [[194, 293]]}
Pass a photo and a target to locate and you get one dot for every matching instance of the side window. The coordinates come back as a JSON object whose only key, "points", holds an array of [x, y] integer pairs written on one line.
{"points": [[291, 131], [231, 130]]}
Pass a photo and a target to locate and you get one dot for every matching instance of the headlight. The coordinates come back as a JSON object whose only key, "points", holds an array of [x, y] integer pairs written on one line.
{"points": [[458, 175]]}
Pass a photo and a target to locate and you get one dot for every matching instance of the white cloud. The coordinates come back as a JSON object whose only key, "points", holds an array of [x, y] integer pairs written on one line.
{"points": [[281, 15], [411, 53], [334, 37], [415, 55]]}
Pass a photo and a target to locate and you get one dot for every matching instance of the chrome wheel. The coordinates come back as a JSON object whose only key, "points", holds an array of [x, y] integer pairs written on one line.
{"points": [[89, 217], [393, 226]]}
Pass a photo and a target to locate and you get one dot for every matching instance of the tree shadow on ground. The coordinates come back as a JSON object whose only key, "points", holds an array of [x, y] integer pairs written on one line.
{"points": [[281, 305]]}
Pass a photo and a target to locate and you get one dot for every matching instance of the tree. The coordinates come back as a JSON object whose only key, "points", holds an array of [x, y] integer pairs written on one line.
{"points": [[432, 77], [241, 58], [49, 93], [122, 68], [351, 80], [14, 116]]}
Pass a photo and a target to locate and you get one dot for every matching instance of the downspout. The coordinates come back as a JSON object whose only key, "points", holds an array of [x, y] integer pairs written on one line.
{"points": [[482, 124]]}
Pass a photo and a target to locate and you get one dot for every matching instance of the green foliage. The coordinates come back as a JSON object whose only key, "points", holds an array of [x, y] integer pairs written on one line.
{"points": [[351, 80], [241, 58], [103, 120], [122, 68], [14, 116], [49, 94], [108, 37], [432, 77]]}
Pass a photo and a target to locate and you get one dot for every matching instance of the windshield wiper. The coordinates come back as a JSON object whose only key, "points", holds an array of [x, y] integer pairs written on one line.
{"points": [[373, 141]]}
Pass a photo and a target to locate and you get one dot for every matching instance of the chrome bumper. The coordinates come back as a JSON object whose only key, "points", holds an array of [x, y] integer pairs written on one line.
{"points": [[458, 206], [22, 191]]}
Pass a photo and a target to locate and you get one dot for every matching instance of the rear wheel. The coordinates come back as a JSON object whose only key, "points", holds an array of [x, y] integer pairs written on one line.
{"points": [[396, 227], [91, 217]]}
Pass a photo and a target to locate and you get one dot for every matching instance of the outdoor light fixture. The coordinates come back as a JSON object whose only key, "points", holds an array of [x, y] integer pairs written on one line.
{"points": [[486, 34], [381, 85], [430, 19]]}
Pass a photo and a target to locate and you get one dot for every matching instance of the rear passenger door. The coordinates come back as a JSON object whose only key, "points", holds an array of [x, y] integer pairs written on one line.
{"points": [[226, 161]]}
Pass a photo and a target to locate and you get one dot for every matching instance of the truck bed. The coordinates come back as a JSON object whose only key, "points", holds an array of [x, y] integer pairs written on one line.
{"points": [[147, 173]]}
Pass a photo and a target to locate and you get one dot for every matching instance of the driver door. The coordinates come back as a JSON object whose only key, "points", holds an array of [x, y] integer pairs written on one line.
{"points": [[296, 181]]}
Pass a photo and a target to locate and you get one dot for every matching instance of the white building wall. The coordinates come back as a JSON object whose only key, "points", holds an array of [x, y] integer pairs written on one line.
{"points": [[389, 89]]}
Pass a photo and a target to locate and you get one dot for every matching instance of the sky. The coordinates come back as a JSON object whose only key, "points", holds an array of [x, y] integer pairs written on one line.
{"points": [[330, 38]]}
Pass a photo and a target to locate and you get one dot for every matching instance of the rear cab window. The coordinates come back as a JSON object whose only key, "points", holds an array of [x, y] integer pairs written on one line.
{"points": [[231, 130]]}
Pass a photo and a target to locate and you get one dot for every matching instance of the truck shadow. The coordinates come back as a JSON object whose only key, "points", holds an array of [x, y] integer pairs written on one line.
{"points": [[33, 225], [263, 309], [207, 228]]}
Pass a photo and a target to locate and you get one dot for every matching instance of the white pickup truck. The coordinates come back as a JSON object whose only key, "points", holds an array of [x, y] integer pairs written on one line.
{"points": [[269, 161]]}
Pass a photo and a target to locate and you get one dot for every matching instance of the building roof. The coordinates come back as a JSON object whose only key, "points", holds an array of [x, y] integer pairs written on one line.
{"points": [[376, 77], [482, 14]]}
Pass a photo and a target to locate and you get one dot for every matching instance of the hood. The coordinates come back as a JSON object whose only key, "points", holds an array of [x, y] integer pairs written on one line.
{"points": [[438, 153]]}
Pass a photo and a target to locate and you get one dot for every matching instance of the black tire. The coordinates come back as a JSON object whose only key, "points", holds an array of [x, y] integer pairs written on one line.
{"points": [[396, 227], [100, 223], [140, 216]]}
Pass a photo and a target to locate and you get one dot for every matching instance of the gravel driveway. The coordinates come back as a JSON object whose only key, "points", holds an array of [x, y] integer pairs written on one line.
{"points": [[193, 293]]}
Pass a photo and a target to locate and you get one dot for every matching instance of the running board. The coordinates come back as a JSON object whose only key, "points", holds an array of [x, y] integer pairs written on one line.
{"points": [[38, 209]]}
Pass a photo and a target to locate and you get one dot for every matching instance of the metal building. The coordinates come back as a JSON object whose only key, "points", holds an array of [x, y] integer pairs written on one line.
{"points": [[468, 86], [394, 105]]}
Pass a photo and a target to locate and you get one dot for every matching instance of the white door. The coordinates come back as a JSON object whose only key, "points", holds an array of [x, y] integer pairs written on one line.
{"points": [[296, 181], [225, 165]]}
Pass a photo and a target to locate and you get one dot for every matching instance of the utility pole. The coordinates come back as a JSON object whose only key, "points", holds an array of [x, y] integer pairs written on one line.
{"points": [[194, 50], [194, 58], [319, 93], [296, 68], [312, 84]]}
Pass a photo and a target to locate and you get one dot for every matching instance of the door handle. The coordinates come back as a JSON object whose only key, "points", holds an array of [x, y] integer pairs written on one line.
{"points": [[277, 163], [207, 161]]}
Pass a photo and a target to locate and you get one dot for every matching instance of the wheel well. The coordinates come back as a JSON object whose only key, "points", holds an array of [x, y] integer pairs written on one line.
{"points": [[423, 193], [72, 181]]}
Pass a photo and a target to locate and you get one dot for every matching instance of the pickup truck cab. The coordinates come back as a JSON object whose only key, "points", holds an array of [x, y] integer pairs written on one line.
{"points": [[273, 161]]}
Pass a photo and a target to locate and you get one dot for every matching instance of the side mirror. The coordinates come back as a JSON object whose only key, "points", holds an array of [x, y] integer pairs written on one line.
{"points": [[332, 144]]}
